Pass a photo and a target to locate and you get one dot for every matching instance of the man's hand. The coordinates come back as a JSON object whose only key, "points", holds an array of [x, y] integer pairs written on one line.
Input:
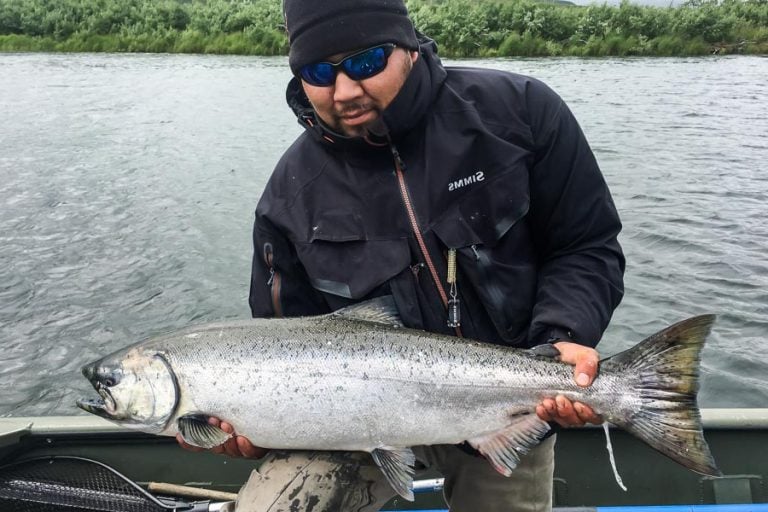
{"points": [[236, 446], [560, 409]]}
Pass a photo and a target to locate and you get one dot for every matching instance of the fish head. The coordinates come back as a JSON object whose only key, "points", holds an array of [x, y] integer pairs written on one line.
{"points": [[137, 389]]}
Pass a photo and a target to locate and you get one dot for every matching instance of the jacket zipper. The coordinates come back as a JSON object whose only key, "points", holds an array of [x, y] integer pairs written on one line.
{"points": [[274, 281], [399, 168]]}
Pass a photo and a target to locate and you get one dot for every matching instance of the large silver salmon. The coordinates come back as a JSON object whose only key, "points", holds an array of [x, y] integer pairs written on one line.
{"points": [[357, 379]]}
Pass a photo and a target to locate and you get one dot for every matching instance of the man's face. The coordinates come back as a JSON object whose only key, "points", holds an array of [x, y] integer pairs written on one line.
{"points": [[350, 106]]}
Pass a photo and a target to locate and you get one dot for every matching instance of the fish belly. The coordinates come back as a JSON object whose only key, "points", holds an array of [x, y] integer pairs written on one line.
{"points": [[294, 409]]}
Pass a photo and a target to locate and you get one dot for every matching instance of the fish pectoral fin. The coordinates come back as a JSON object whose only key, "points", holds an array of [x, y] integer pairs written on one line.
{"points": [[397, 465], [195, 430], [505, 447]]}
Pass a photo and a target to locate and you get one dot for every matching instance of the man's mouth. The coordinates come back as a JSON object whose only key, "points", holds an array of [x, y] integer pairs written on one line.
{"points": [[354, 114]]}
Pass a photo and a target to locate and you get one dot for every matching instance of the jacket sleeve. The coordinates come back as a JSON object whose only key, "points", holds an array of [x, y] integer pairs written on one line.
{"points": [[279, 283], [575, 227]]}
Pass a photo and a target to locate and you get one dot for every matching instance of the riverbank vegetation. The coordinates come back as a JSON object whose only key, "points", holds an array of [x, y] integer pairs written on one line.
{"points": [[462, 28]]}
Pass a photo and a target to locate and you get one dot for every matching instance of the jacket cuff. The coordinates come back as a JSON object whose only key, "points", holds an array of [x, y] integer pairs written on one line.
{"points": [[555, 334]]}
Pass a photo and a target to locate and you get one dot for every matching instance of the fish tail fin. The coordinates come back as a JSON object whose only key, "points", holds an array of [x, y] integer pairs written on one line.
{"points": [[666, 369]]}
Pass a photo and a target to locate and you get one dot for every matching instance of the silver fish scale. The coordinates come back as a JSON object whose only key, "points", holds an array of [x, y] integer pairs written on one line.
{"points": [[330, 383]]}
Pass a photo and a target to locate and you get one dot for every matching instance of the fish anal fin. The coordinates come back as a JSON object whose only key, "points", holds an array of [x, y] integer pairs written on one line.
{"points": [[397, 466], [504, 448], [195, 430]]}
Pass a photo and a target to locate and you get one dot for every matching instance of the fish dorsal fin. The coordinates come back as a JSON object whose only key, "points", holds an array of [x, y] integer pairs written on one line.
{"points": [[504, 447], [195, 430], [397, 466], [381, 310]]}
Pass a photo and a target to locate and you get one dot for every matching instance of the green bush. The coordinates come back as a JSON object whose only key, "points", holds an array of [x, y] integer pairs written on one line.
{"points": [[526, 44], [462, 28]]}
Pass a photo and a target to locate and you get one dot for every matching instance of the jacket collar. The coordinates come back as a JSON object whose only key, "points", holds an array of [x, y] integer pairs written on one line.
{"points": [[403, 114]]}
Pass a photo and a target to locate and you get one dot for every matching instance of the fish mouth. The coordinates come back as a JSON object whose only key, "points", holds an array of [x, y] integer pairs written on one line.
{"points": [[104, 406], [93, 406]]}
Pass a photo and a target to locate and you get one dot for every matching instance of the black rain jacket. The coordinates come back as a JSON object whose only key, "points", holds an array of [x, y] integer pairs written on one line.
{"points": [[488, 163]]}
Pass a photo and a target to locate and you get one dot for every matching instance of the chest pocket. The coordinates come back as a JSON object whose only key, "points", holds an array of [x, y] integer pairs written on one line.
{"points": [[341, 259], [496, 255]]}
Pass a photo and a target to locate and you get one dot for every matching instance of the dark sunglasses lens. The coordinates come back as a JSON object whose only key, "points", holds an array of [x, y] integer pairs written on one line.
{"points": [[320, 73], [366, 64]]}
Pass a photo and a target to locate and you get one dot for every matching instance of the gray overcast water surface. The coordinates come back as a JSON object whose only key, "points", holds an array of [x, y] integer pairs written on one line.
{"points": [[128, 184]]}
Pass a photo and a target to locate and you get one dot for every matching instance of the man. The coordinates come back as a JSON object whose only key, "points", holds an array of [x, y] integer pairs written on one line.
{"points": [[407, 168]]}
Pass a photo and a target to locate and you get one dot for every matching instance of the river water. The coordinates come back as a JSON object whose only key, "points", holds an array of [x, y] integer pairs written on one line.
{"points": [[128, 183]]}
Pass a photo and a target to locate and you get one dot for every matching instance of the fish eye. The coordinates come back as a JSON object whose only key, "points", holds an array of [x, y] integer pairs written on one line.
{"points": [[109, 377]]}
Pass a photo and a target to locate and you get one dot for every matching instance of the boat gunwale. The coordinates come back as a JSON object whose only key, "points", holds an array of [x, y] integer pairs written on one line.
{"points": [[717, 419]]}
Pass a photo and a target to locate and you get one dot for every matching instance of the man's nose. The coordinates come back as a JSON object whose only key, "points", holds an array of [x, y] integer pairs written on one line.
{"points": [[345, 88]]}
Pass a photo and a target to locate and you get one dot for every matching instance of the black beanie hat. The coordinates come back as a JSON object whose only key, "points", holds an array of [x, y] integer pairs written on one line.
{"points": [[318, 29]]}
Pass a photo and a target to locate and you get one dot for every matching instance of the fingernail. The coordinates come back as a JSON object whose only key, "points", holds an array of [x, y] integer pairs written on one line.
{"points": [[582, 379]]}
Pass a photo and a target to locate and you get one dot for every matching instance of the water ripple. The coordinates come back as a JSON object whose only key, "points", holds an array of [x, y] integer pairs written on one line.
{"points": [[129, 183]]}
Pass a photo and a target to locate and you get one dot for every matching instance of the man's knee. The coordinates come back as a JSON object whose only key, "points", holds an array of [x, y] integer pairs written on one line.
{"points": [[320, 481], [472, 484]]}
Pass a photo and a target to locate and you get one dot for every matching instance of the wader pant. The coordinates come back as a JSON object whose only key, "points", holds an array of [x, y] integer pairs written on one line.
{"points": [[342, 482]]}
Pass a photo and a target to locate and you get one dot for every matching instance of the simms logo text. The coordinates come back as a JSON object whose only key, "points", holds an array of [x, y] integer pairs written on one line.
{"points": [[463, 182]]}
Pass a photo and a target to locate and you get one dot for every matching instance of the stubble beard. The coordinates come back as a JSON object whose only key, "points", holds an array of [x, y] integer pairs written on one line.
{"points": [[355, 131], [362, 130]]}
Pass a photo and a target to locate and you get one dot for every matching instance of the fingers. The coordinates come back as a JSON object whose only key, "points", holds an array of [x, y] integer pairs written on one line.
{"points": [[240, 446], [230, 446], [249, 451], [561, 410], [547, 410], [565, 413], [586, 414], [584, 359], [586, 370]]}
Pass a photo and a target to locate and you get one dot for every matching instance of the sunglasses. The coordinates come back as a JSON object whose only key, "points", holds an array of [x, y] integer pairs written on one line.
{"points": [[358, 66]]}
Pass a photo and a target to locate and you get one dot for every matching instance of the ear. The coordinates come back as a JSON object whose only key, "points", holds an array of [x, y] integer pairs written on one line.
{"points": [[414, 56]]}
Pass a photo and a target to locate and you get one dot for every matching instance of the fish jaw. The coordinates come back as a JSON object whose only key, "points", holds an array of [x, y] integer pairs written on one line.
{"points": [[105, 405], [93, 406]]}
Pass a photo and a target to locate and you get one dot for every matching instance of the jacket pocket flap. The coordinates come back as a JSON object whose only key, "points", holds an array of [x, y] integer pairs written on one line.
{"points": [[337, 226], [353, 268], [487, 213]]}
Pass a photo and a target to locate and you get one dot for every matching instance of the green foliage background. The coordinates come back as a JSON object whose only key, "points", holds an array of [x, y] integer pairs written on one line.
{"points": [[462, 28]]}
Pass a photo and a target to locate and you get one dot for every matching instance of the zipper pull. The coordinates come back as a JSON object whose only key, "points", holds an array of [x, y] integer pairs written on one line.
{"points": [[268, 261], [454, 310], [396, 156], [274, 280]]}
